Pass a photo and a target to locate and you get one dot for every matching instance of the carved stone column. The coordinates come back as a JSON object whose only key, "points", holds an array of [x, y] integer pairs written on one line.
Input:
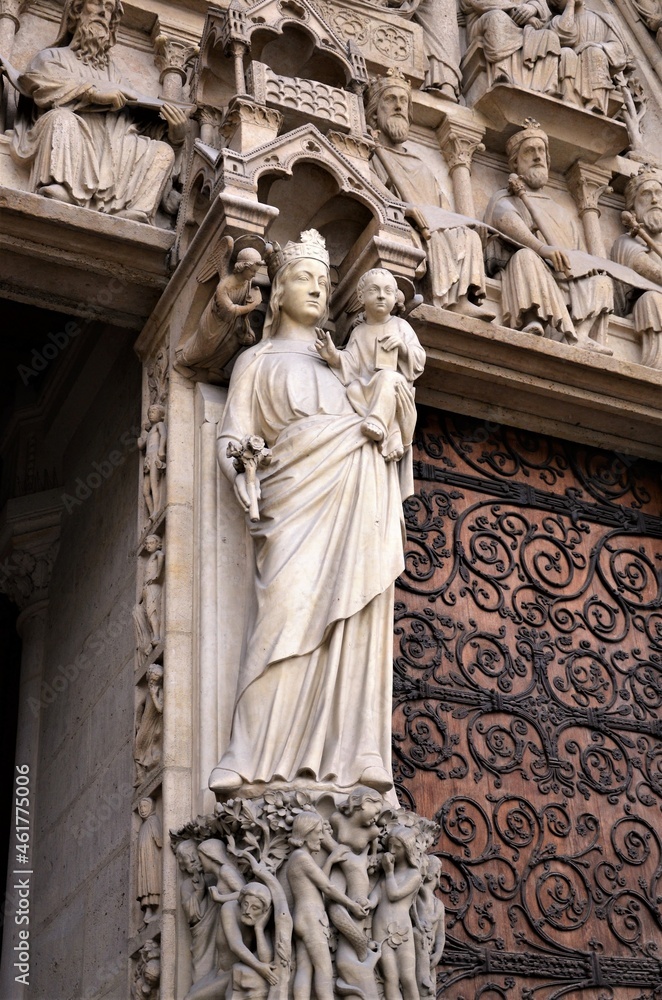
{"points": [[30, 539], [10, 11], [210, 120], [458, 141], [587, 183], [171, 56]]}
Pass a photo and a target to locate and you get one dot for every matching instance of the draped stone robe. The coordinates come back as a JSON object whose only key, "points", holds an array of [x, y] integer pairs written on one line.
{"points": [[99, 156], [455, 256], [528, 281], [314, 690]]}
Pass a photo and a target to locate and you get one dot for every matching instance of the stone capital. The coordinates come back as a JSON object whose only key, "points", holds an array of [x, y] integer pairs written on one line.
{"points": [[587, 183], [12, 9], [25, 575], [459, 141], [172, 54]]}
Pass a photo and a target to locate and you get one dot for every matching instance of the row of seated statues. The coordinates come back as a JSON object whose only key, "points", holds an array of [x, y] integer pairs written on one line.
{"points": [[569, 51], [91, 141]]}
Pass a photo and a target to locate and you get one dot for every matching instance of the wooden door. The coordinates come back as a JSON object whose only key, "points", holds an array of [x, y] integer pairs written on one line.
{"points": [[528, 709]]}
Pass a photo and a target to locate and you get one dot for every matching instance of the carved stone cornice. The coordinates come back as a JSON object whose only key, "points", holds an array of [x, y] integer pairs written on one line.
{"points": [[459, 141], [587, 183]]}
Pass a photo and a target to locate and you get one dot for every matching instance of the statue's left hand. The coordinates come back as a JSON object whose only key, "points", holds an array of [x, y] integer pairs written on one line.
{"points": [[176, 119]]}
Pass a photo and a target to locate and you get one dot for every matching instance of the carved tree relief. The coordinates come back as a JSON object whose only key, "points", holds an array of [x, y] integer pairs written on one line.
{"points": [[528, 688]]}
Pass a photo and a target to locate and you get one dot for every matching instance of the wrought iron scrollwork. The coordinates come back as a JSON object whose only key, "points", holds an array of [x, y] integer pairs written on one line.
{"points": [[528, 708]]}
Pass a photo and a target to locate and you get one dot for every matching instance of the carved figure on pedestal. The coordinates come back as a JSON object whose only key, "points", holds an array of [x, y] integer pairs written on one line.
{"points": [[201, 912], [82, 148], [149, 725], [147, 613], [516, 41], [393, 898], [455, 253], [309, 885], [150, 843], [153, 442], [429, 927], [641, 250], [594, 55], [650, 12], [313, 701], [382, 359], [224, 325], [539, 288]]}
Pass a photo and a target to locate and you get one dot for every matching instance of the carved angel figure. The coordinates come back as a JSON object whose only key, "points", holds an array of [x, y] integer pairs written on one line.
{"points": [[147, 613], [153, 443], [224, 325], [149, 725]]}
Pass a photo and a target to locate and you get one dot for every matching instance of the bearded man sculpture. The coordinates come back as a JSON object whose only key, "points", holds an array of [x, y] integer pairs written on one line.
{"points": [[313, 701], [641, 250], [80, 146]]}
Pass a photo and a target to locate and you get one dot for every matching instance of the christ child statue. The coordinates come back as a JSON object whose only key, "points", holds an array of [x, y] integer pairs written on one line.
{"points": [[379, 365]]}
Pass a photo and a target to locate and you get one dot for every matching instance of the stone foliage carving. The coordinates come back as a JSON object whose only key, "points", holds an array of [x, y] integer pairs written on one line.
{"points": [[641, 250], [147, 975], [152, 442], [224, 325], [564, 302], [325, 899], [25, 576], [149, 725], [299, 712], [150, 842], [82, 144], [455, 253], [147, 615]]}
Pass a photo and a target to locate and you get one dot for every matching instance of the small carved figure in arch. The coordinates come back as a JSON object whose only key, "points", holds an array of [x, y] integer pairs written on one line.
{"points": [[149, 725], [153, 443], [147, 613], [150, 842]]}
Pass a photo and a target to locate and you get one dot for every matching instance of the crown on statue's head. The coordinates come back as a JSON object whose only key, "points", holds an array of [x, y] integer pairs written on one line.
{"points": [[311, 246], [393, 78], [646, 172], [531, 130]]}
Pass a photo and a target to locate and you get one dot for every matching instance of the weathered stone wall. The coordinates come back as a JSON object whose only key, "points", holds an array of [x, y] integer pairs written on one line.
{"points": [[82, 879]]}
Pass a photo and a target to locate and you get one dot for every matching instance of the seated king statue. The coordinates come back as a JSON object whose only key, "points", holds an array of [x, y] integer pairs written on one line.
{"points": [[82, 145]]}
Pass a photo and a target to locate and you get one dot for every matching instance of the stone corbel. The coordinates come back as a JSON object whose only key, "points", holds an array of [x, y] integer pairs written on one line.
{"points": [[459, 141], [587, 183], [172, 55]]}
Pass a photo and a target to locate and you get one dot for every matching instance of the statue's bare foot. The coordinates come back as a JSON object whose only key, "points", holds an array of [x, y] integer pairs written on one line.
{"points": [[377, 778], [535, 327], [595, 347], [222, 781], [372, 430], [57, 192], [394, 456], [465, 307], [133, 215]]}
